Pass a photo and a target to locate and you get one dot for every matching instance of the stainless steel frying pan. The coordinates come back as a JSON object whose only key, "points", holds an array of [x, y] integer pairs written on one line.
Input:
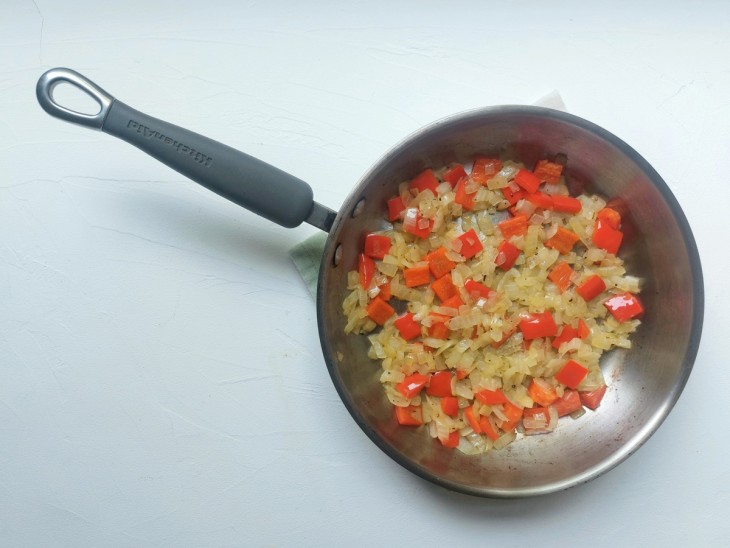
{"points": [[645, 382]]}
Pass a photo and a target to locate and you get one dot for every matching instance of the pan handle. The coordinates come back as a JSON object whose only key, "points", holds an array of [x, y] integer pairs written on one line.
{"points": [[242, 179]]}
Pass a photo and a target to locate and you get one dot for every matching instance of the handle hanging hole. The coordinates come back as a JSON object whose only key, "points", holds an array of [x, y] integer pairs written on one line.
{"points": [[75, 99]]}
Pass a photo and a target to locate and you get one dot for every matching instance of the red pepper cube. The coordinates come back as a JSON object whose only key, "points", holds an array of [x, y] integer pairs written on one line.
{"points": [[606, 237], [571, 374], [444, 288], [610, 216], [454, 174], [440, 384], [540, 199], [412, 385], [591, 288], [516, 226], [560, 276], [568, 403], [450, 405], [527, 180], [537, 326], [408, 327], [477, 290], [462, 197], [438, 328], [379, 311], [491, 397], [583, 330], [512, 196], [376, 246], [593, 398], [366, 269], [452, 441], [470, 244], [439, 263], [413, 223], [484, 169], [507, 254], [409, 416], [567, 334], [396, 207], [426, 180], [624, 306], [566, 204], [548, 171], [563, 240]]}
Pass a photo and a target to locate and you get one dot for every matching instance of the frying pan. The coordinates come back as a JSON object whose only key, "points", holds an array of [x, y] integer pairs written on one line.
{"points": [[644, 382]]}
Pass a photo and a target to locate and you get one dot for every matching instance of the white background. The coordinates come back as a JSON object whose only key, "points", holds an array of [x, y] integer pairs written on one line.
{"points": [[161, 379]]}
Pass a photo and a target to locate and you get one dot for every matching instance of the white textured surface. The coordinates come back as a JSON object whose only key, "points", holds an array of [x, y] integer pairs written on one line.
{"points": [[161, 380]]}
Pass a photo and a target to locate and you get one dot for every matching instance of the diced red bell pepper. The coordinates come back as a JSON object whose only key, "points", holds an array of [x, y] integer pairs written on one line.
{"points": [[513, 414], [377, 246], [560, 276], [412, 385], [396, 207], [426, 180], [439, 263], [444, 288], [438, 328], [563, 240], [583, 330], [454, 174], [486, 426], [366, 269], [567, 334], [516, 226], [379, 311], [462, 197], [568, 403], [477, 290], [472, 419], [538, 326], [540, 199], [606, 237], [610, 216], [385, 292], [409, 416], [453, 302], [452, 441], [548, 171], [491, 397], [591, 288], [624, 306], [484, 169], [408, 327], [566, 204], [534, 416], [450, 405], [507, 254], [527, 180], [440, 384], [593, 398], [542, 392], [512, 196], [571, 374], [412, 221], [470, 244], [417, 275]]}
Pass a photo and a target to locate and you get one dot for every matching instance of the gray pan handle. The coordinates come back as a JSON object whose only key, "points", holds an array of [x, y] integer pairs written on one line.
{"points": [[242, 179]]}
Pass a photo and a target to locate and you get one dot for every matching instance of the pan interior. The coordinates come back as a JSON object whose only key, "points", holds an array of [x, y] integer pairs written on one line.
{"points": [[644, 382]]}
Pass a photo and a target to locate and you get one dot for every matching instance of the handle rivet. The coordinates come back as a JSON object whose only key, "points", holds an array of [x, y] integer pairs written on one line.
{"points": [[338, 255], [359, 206]]}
